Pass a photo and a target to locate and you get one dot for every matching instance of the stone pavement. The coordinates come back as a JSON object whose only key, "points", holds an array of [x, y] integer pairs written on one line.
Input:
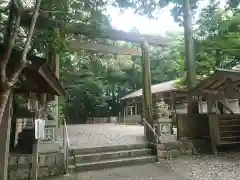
{"points": [[99, 135], [156, 171]]}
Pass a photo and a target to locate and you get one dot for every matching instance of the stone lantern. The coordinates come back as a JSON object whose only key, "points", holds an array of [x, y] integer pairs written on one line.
{"points": [[163, 123]]}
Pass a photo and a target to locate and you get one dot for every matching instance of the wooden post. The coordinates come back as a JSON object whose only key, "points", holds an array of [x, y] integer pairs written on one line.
{"points": [[172, 102], [134, 85], [57, 70], [38, 113], [35, 153], [135, 110], [5, 139], [35, 165], [212, 124], [201, 104], [124, 115], [147, 94], [131, 110]]}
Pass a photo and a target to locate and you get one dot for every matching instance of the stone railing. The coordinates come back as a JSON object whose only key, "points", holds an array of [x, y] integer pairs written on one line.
{"points": [[20, 165]]}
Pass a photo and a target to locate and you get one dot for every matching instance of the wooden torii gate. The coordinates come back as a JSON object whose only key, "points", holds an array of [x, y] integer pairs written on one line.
{"points": [[43, 23]]}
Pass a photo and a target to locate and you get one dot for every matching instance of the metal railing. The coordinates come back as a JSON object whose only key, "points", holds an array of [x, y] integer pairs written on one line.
{"points": [[65, 145], [157, 138], [152, 129]]}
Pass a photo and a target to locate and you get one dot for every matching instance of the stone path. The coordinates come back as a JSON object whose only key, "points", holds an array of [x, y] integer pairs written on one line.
{"points": [[97, 135], [155, 171]]}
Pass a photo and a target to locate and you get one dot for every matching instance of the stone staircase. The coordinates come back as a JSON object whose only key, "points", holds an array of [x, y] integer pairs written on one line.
{"points": [[229, 131], [109, 157]]}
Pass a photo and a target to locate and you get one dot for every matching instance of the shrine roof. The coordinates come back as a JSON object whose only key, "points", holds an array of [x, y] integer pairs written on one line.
{"points": [[38, 76], [224, 83], [156, 88]]}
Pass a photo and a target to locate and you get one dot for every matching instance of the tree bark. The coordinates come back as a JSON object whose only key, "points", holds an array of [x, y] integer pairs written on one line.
{"points": [[6, 84], [23, 62], [5, 127], [3, 101], [190, 60], [9, 41]]}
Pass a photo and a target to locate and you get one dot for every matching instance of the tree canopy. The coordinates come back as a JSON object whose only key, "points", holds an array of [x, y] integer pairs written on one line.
{"points": [[95, 82]]}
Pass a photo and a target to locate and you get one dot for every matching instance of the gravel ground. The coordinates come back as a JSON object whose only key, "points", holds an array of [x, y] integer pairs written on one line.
{"points": [[154, 171], [202, 167], [97, 135], [225, 166]]}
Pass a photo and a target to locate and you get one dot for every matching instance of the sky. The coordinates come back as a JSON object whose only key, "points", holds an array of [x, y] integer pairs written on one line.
{"points": [[125, 21]]}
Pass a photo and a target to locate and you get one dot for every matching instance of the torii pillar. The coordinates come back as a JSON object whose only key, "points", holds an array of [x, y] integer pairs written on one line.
{"points": [[147, 94]]}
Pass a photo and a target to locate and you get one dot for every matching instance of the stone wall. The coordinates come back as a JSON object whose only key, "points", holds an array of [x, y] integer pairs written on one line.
{"points": [[98, 120], [134, 119], [19, 167]]}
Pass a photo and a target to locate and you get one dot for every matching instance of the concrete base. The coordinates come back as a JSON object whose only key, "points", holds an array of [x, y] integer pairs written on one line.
{"points": [[168, 150], [168, 154], [49, 147], [168, 138]]}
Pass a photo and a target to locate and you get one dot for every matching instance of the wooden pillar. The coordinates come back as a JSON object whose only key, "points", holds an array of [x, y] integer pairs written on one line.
{"points": [[131, 110], [5, 139], [57, 70], [212, 121], [147, 94], [35, 155], [172, 102], [200, 104], [124, 115], [134, 86], [34, 107], [135, 110]]}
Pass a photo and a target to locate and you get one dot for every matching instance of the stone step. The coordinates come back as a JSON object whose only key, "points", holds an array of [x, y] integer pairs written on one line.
{"points": [[82, 158], [109, 148], [112, 163]]}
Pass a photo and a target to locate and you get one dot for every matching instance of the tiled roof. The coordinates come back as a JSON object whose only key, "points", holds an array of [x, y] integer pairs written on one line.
{"points": [[161, 87]]}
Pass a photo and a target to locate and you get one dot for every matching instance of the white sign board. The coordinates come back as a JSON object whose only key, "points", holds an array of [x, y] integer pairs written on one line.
{"points": [[39, 129]]}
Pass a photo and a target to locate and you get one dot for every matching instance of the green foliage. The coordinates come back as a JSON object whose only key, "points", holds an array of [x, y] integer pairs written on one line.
{"points": [[166, 63], [97, 81], [217, 39]]}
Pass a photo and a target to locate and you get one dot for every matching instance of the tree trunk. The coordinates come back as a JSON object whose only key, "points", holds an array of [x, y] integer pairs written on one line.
{"points": [[4, 94], [5, 127], [190, 60], [13, 124]]}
